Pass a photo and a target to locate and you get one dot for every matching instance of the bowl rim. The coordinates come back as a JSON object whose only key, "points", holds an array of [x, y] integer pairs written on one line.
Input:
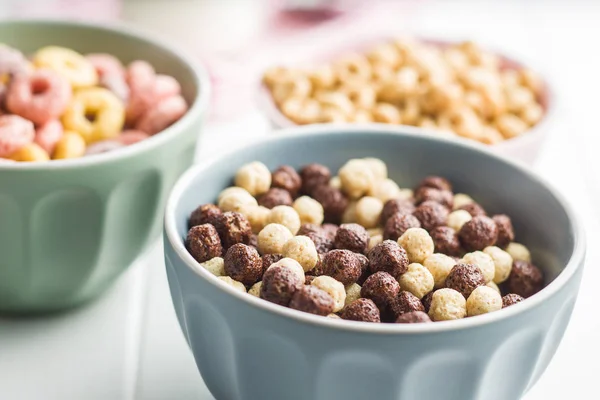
{"points": [[267, 105], [199, 106], [177, 243]]}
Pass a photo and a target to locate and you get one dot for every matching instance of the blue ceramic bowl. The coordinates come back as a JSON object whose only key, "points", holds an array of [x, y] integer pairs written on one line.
{"points": [[247, 348]]}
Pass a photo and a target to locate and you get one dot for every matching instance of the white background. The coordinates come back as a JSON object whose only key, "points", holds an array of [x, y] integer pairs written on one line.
{"points": [[128, 345]]}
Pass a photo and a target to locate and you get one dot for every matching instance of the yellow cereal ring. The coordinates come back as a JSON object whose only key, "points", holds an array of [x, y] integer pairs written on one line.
{"points": [[30, 152], [70, 145], [105, 110], [72, 65]]}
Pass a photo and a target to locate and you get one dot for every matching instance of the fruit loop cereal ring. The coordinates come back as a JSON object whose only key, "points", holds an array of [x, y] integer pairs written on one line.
{"points": [[103, 146], [15, 132], [12, 61], [106, 64], [105, 109], [47, 135], [132, 136], [30, 152], [166, 86], [140, 75], [162, 115], [70, 64], [39, 97], [70, 145], [117, 85]]}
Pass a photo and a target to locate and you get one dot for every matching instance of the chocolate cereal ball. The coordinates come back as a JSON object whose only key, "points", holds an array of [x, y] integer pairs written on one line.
{"points": [[309, 228], [426, 301], [270, 259], [436, 182], [235, 228], [380, 287], [361, 310], [206, 214], [312, 300], [203, 242], [474, 209], [431, 214], [506, 233], [330, 230], [334, 202], [322, 242], [396, 206], [352, 237], [313, 176], [286, 177], [444, 197], [399, 223], [479, 233], [405, 302], [342, 265], [413, 317], [390, 257], [275, 197], [445, 240], [511, 299], [279, 283], [525, 279], [243, 264], [464, 278]]}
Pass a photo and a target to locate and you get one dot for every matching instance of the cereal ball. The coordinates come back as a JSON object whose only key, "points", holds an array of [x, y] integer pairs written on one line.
{"points": [[205, 214], [257, 216], [334, 202], [286, 177], [417, 280], [417, 243], [431, 214], [525, 279], [461, 199], [334, 288], [302, 249], [361, 310], [235, 200], [426, 301], [413, 317], [456, 219], [518, 252], [309, 210], [235, 228], [275, 197], [330, 230], [232, 282], [375, 231], [483, 300], [385, 190], [436, 182], [405, 302], [313, 176], [492, 285], [335, 182], [231, 190], [377, 167], [255, 177], [270, 259], [388, 257], [351, 237], [272, 238], [473, 208], [352, 293], [368, 211], [203, 242], [502, 263], [312, 300], [396, 206], [292, 265], [279, 283], [511, 299], [309, 228], [255, 289], [349, 215], [357, 178], [478, 233], [483, 261], [444, 197], [215, 266], [342, 265], [439, 265], [399, 223], [447, 304], [445, 240], [464, 278], [243, 264], [506, 233], [286, 216], [374, 241], [380, 287], [322, 242]]}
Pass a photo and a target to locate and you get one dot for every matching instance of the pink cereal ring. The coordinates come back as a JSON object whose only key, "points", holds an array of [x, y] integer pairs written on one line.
{"points": [[39, 97], [15, 132], [132, 136], [116, 84], [103, 146], [140, 101], [12, 61], [47, 135], [163, 114], [166, 86], [106, 64], [140, 75]]}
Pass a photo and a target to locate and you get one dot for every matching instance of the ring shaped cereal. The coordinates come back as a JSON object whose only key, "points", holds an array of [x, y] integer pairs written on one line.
{"points": [[40, 97], [162, 115], [15, 133], [68, 63], [47, 135], [132, 136], [70, 145], [106, 109], [106, 64], [30, 152]]}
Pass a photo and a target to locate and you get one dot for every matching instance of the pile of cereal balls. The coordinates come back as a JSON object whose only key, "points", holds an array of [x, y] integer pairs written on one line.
{"points": [[460, 90], [60, 104], [356, 246]]}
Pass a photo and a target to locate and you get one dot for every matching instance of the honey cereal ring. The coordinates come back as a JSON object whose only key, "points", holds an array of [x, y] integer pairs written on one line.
{"points": [[162, 115], [70, 145], [15, 133], [47, 135], [76, 68], [30, 152], [131, 136]]}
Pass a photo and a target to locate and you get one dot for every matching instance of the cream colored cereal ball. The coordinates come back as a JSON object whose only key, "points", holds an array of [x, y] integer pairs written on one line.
{"points": [[303, 250], [483, 300], [309, 210], [230, 190], [447, 304], [385, 190], [492, 285], [334, 288], [440, 266], [483, 261], [236, 200], [405, 194], [368, 211], [456, 219], [518, 252], [215, 266], [255, 289], [255, 177], [417, 279], [357, 178], [377, 167], [502, 263], [286, 216], [232, 282], [375, 231], [272, 238], [461, 199], [349, 215], [335, 182], [256, 215], [352, 293], [374, 241], [334, 316], [417, 243], [291, 264]]}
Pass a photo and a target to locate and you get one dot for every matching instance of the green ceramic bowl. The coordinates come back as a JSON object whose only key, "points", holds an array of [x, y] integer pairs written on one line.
{"points": [[69, 228]]}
